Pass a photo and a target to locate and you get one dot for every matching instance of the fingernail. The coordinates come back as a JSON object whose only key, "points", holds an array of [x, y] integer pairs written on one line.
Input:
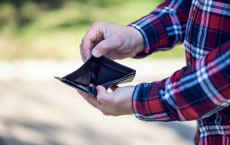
{"points": [[96, 53], [84, 59]]}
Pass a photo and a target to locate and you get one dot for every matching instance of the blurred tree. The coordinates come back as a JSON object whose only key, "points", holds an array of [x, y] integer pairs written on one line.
{"points": [[20, 3], [58, 3], [22, 18], [34, 28]]}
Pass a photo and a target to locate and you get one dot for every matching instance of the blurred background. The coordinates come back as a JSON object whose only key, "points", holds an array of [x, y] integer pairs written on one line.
{"points": [[40, 39]]}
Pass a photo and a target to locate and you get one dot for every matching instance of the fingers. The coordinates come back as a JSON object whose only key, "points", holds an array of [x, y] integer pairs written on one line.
{"points": [[116, 103], [101, 39], [102, 95], [113, 41], [116, 55], [91, 100], [105, 46], [92, 37], [85, 49], [99, 102]]}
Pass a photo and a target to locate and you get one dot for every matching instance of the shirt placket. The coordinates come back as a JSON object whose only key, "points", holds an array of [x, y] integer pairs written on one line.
{"points": [[192, 15]]}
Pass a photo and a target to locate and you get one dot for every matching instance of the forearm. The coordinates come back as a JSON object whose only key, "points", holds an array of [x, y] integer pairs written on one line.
{"points": [[164, 27], [191, 93]]}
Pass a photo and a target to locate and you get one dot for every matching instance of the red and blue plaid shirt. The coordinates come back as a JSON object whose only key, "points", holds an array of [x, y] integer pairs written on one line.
{"points": [[201, 90]]}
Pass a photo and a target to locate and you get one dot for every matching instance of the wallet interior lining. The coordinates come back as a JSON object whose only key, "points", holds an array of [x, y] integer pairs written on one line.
{"points": [[98, 71], [107, 74], [71, 83]]}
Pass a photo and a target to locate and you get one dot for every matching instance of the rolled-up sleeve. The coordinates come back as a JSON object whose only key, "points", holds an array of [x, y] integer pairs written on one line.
{"points": [[191, 93]]}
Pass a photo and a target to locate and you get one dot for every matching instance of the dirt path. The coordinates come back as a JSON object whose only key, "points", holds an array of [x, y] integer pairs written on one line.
{"points": [[42, 111]]}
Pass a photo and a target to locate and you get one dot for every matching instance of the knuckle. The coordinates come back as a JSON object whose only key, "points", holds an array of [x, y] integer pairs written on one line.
{"points": [[104, 45], [133, 53], [115, 102], [115, 115], [84, 39], [80, 46], [100, 98], [96, 24], [106, 113]]}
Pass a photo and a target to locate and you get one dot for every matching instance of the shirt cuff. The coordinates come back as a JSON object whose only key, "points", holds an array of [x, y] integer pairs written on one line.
{"points": [[148, 108], [149, 34]]}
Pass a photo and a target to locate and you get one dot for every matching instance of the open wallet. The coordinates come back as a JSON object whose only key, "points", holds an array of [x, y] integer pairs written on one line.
{"points": [[98, 71]]}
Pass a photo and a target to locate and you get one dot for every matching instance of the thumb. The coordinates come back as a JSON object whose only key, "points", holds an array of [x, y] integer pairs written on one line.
{"points": [[102, 94], [103, 47]]}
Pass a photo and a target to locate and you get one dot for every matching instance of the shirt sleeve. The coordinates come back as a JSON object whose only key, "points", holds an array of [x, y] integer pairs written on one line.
{"points": [[191, 93], [163, 27]]}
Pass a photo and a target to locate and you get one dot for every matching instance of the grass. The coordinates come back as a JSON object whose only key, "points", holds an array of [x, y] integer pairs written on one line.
{"points": [[57, 33]]}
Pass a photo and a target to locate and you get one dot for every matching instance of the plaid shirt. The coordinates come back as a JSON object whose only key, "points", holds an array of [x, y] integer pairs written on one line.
{"points": [[201, 90]]}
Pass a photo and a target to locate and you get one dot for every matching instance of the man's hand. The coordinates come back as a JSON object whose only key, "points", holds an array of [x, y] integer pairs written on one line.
{"points": [[116, 103], [113, 41]]}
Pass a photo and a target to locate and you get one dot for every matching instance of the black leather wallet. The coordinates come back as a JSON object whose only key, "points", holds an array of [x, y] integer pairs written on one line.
{"points": [[98, 71]]}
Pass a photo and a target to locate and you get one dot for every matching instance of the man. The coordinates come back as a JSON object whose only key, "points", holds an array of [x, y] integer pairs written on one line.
{"points": [[199, 91]]}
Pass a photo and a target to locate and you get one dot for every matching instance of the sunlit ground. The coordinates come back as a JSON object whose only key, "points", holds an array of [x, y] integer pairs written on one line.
{"points": [[36, 109]]}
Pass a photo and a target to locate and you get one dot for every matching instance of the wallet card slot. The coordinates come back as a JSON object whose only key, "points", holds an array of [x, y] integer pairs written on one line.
{"points": [[117, 67], [70, 83], [106, 74], [123, 80], [115, 70], [87, 89], [95, 67], [80, 77]]}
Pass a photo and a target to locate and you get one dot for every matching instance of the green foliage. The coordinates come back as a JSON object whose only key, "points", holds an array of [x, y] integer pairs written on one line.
{"points": [[52, 4], [34, 28], [102, 3], [20, 13]]}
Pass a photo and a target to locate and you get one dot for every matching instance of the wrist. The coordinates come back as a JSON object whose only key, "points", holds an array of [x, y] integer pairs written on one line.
{"points": [[136, 40]]}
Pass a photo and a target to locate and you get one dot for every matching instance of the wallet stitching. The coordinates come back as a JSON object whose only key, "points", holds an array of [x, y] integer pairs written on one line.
{"points": [[119, 80]]}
